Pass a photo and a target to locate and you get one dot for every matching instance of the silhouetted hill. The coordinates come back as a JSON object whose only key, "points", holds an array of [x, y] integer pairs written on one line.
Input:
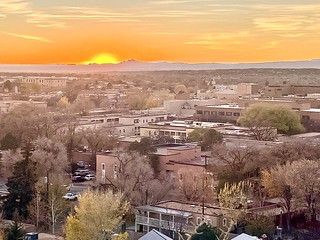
{"points": [[133, 65]]}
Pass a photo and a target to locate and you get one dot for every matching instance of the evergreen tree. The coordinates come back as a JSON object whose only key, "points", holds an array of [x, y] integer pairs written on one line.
{"points": [[205, 232], [9, 141], [21, 185]]}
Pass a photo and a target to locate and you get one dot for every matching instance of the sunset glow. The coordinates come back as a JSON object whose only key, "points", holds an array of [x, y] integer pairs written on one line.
{"points": [[102, 58], [58, 31]]}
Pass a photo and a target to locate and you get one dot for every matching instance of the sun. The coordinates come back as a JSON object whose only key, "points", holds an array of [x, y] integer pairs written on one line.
{"points": [[102, 58]]}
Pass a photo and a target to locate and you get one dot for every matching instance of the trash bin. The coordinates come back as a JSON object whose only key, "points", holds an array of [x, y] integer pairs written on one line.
{"points": [[31, 236]]}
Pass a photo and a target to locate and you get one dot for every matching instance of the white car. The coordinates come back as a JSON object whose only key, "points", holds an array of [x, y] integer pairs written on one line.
{"points": [[82, 172], [89, 177], [70, 196]]}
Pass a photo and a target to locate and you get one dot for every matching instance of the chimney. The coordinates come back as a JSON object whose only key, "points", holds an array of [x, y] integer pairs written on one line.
{"points": [[264, 237]]}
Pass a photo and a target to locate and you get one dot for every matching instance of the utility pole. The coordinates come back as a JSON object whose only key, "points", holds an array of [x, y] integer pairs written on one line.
{"points": [[204, 182]]}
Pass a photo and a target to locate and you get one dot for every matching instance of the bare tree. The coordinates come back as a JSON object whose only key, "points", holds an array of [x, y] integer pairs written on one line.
{"points": [[234, 157], [134, 177], [195, 186], [9, 158], [56, 203]]}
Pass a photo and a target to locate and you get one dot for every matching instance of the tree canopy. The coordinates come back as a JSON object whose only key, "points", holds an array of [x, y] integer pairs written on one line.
{"points": [[205, 232], [144, 147], [262, 117], [98, 215], [206, 137]]}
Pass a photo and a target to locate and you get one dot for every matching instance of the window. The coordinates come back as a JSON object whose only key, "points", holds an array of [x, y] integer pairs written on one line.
{"points": [[221, 113], [173, 133], [229, 113], [199, 112], [103, 166], [180, 176], [199, 220], [206, 112], [115, 171], [136, 121], [236, 114], [224, 222], [214, 113]]}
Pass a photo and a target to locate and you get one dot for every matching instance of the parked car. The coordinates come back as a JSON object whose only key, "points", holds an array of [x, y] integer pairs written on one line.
{"points": [[83, 164], [89, 177], [70, 196], [78, 178], [82, 172]]}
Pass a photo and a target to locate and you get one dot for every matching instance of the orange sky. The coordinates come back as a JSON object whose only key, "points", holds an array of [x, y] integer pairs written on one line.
{"points": [[63, 31]]}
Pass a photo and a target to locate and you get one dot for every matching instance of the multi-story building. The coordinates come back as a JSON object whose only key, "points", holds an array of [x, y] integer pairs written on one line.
{"points": [[178, 130], [247, 89], [172, 158], [175, 217], [186, 108], [122, 124], [219, 113], [44, 81]]}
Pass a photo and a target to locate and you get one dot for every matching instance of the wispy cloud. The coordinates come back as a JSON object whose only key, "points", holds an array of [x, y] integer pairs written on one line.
{"points": [[294, 19], [219, 40], [267, 45], [28, 37], [158, 2], [14, 7]]}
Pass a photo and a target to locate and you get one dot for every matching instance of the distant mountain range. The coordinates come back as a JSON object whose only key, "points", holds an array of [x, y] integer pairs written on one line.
{"points": [[133, 65]]}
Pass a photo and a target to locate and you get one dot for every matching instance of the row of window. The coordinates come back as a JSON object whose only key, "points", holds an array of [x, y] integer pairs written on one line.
{"points": [[157, 119], [235, 114], [168, 133]]}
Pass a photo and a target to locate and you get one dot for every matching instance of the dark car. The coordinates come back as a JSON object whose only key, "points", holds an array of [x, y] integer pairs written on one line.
{"points": [[78, 179]]}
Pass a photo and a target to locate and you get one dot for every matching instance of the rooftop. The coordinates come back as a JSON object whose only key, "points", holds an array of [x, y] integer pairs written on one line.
{"points": [[231, 106], [181, 209], [163, 149]]}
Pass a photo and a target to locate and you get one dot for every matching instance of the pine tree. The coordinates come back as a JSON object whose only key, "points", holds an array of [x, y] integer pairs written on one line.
{"points": [[21, 185]]}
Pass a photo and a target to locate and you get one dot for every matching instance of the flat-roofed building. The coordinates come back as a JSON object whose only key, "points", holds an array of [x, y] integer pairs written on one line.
{"points": [[186, 108], [45, 81], [178, 130], [244, 89], [168, 154], [219, 113]]}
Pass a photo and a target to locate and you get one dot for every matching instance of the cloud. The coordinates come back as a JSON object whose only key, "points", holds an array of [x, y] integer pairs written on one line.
{"points": [[14, 7], [164, 2], [294, 19], [267, 45], [28, 37], [219, 40]]}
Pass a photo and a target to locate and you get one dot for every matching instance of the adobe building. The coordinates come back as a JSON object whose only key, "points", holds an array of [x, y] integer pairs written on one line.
{"points": [[219, 113], [247, 89], [172, 158]]}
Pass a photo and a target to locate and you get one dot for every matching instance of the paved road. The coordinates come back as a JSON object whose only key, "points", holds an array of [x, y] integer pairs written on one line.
{"points": [[80, 187]]}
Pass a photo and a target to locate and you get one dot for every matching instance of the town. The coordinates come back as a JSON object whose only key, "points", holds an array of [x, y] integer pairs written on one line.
{"points": [[221, 154]]}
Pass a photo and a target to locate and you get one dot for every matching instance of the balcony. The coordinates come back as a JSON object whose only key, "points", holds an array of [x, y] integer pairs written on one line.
{"points": [[163, 224]]}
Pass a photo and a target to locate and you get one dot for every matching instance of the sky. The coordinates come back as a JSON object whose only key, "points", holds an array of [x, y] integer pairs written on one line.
{"points": [[101, 31]]}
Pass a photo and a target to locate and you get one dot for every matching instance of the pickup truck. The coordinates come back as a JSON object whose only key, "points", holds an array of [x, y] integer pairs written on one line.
{"points": [[70, 196]]}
